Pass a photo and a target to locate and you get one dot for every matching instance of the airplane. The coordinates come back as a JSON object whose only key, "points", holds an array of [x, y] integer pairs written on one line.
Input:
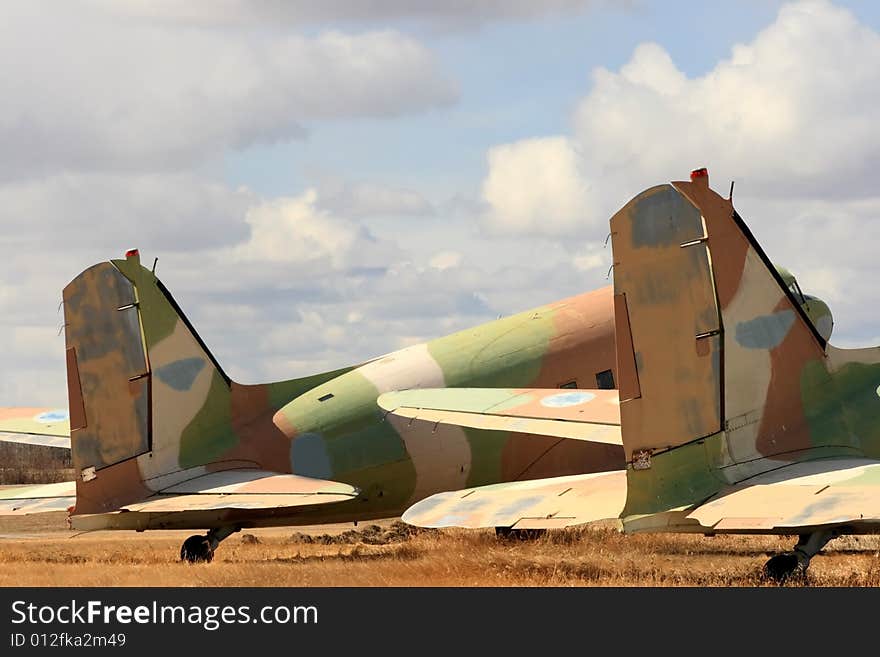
{"points": [[736, 414], [162, 438], [46, 427], [34, 445]]}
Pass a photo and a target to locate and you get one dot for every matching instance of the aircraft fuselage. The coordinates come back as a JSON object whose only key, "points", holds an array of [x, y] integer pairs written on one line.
{"points": [[336, 431]]}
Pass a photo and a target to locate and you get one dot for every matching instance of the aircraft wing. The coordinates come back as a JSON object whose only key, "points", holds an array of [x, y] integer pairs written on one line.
{"points": [[801, 497], [592, 415], [39, 498], [243, 490], [536, 504], [35, 426]]}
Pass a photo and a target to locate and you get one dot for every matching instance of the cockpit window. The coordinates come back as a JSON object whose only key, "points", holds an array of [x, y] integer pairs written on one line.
{"points": [[795, 289]]}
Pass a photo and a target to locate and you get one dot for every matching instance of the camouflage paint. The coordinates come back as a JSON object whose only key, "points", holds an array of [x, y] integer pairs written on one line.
{"points": [[789, 399], [327, 426]]}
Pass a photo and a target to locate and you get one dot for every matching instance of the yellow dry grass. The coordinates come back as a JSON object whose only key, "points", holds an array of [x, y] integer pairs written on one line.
{"points": [[34, 551]]}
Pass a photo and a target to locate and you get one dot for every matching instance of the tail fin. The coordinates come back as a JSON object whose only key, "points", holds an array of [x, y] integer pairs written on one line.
{"points": [[712, 350], [140, 380], [149, 405]]}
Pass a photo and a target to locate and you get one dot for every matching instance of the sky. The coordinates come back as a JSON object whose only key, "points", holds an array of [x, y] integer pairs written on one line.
{"points": [[325, 181]]}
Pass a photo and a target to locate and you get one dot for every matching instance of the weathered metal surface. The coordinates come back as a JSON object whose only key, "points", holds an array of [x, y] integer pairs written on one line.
{"points": [[109, 356], [256, 482], [590, 415], [662, 270], [788, 400], [801, 496], [540, 503]]}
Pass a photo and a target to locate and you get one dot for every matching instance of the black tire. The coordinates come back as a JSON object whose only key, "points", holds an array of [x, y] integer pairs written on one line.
{"points": [[196, 549], [782, 567]]}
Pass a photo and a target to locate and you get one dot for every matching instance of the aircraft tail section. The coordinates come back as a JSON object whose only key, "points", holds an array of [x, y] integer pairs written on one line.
{"points": [[716, 357], [150, 406]]}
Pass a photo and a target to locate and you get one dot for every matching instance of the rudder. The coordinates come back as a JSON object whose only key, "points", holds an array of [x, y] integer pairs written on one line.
{"points": [[140, 380], [712, 385]]}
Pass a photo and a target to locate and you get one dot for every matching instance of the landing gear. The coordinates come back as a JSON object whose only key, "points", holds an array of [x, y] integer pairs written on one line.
{"points": [[200, 548], [785, 565], [196, 548], [519, 534]]}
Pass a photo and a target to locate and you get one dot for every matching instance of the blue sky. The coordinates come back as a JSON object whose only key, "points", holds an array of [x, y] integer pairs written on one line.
{"points": [[517, 80], [322, 184]]}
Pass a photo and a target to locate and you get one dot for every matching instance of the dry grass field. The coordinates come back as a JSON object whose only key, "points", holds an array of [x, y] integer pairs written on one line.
{"points": [[38, 551]]}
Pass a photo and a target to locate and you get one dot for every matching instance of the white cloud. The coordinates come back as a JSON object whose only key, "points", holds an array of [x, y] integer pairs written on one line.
{"points": [[101, 94], [793, 110], [296, 231], [445, 260], [591, 257], [297, 12], [535, 186], [167, 212], [791, 115], [364, 199]]}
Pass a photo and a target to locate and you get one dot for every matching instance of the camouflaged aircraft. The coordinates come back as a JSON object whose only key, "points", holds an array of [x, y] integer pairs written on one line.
{"points": [[161, 438], [45, 427], [736, 414]]}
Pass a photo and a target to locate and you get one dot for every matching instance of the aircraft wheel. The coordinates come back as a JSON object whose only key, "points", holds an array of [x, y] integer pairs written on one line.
{"points": [[196, 549], [519, 534], [781, 567]]}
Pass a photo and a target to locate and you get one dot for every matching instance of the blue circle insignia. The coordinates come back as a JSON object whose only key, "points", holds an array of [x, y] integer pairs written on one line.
{"points": [[49, 417], [567, 399]]}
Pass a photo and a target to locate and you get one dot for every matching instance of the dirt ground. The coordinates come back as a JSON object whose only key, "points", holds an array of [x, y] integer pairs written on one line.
{"points": [[39, 551]]}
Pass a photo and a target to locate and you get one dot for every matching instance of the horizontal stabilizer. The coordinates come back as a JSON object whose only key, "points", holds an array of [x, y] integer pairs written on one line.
{"points": [[206, 499], [590, 415], [800, 497], [41, 498], [245, 489], [536, 504]]}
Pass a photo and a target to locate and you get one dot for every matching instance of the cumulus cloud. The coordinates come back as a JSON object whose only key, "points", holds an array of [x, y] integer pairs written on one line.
{"points": [[793, 110], [535, 186], [101, 94], [294, 231], [790, 115], [364, 199]]}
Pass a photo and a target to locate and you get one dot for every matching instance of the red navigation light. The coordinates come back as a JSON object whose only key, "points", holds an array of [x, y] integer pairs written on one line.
{"points": [[699, 173], [131, 253]]}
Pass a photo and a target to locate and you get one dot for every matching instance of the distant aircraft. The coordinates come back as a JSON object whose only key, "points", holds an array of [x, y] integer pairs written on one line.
{"points": [[162, 438], [47, 427], [736, 414]]}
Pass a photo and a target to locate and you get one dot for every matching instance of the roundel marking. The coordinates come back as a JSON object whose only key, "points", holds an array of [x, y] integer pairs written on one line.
{"points": [[564, 399], [48, 417]]}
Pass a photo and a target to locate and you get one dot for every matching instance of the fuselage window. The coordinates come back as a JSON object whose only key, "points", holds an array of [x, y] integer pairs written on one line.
{"points": [[605, 380], [571, 384]]}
